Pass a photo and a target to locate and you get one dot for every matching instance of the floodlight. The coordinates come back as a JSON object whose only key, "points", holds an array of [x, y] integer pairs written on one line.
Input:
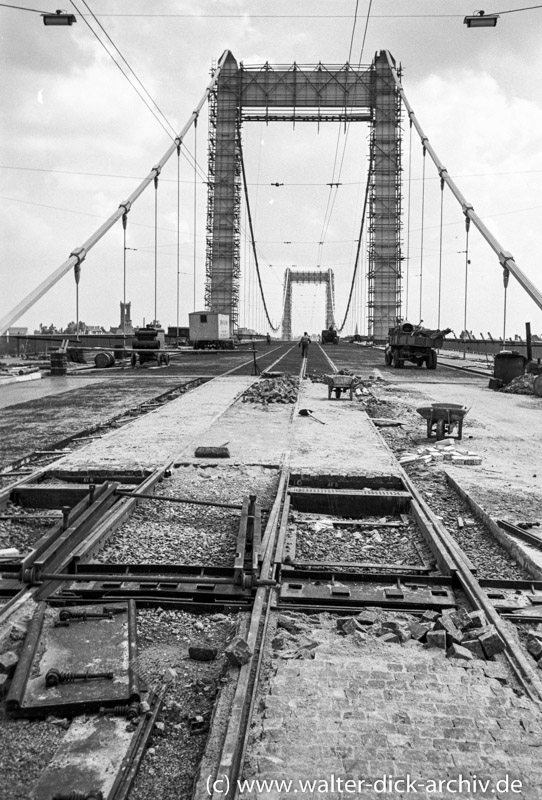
{"points": [[59, 18], [481, 20]]}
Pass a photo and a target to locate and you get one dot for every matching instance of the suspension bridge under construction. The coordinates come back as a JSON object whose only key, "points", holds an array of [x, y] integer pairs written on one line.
{"points": [[255, 569], [238, 95]]}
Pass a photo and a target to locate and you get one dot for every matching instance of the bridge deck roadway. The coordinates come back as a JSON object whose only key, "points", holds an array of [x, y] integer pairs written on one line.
{"points": [[162, 435], [367, 710], [346, 442]]}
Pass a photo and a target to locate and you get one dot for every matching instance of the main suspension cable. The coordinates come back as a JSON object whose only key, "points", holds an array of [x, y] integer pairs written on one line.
{"points": [[358, 250], [252, 241]]}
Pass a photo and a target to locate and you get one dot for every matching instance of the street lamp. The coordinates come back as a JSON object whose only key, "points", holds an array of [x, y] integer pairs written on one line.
{"points": [[59, 18], [481, 20]]}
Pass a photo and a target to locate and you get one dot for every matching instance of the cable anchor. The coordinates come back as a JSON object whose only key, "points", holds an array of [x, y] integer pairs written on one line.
{"points": [[80, 254]]}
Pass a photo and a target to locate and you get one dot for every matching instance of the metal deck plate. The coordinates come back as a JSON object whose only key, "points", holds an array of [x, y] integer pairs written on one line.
{"points": [[96, 645], [365, 593], [349, 502]]}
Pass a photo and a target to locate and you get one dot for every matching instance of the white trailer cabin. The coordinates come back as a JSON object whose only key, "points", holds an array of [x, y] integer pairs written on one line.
{"points": [[209, 329]]}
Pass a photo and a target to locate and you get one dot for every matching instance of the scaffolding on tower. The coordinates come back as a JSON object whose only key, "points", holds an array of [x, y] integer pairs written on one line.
{"points": [[384, 229], [223, 240]]}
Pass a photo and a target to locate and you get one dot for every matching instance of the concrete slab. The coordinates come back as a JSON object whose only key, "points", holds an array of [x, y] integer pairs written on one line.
{"points": [[162, 435], [256, 434], [347, 443]]}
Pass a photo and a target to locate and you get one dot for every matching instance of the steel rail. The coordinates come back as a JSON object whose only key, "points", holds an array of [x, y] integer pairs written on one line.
{"points": [[475, 593], [113, 517], [236, 737], [130, 765], [78, 255], [106, 577], [505, 258]]}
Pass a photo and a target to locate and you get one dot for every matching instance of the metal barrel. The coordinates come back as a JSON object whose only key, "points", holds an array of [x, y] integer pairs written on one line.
{"points": [[59, 363], [104, 359]]}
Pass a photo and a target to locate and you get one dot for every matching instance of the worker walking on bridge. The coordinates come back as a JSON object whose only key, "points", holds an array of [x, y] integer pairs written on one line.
{"points": [[304, 343]]}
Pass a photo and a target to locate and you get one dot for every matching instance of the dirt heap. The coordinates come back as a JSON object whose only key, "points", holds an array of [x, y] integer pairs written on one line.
{"points": [[523, 384]]}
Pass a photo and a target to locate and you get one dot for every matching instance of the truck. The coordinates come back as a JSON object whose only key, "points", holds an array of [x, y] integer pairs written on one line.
{"points": [[408, 342], [210, 330], [330, 336]]}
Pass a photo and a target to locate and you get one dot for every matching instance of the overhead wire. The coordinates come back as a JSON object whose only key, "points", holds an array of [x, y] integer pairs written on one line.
{"points": [[304, 183], [296, 16], [335, 182], [353, 30], [136, 90], [155, 104], [185, 152], [187, 155], [368, 175]]}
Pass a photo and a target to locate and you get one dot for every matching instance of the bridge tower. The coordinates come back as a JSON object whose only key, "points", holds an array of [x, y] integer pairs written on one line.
{"points": [[306, 94], [307, 276]]}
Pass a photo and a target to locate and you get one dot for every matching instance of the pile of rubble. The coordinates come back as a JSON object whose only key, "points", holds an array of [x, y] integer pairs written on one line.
{"points": [[461, 634], [523, 384], [465, 637], [272, 390], [444, 450]]}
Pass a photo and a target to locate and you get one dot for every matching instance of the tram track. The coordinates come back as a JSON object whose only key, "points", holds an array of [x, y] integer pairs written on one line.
{"points": [[289, 569]]}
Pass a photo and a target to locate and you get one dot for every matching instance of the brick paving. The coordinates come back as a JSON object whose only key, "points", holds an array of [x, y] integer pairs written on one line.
{"points": [[380, 710]]}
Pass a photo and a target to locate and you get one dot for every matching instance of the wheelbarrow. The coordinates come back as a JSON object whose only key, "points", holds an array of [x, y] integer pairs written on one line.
{"points": [[339, 384], [443, 418]]}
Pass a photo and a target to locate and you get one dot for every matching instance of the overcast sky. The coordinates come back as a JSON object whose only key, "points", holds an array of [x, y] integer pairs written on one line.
{"points": [[76, 140]]}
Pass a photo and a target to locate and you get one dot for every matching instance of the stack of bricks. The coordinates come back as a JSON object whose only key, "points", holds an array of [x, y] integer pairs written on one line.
{"points": [[444, 450], [272, 390]]}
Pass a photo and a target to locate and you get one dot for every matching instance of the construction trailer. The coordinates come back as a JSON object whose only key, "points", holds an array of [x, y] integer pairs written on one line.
{"points": [[210, 330]]}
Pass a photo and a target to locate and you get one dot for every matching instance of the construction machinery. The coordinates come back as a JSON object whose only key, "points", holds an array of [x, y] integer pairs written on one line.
{"points": [[149, 345], [330, 336]]}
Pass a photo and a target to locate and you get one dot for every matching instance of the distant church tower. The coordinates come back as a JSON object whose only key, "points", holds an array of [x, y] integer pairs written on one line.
{"points": [[125, 318]]}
